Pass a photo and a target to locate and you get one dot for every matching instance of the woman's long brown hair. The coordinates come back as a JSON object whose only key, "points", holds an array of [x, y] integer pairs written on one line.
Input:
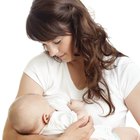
{"points": [[51, 18]]}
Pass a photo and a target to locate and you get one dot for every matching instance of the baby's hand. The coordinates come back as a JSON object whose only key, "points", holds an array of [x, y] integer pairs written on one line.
{"points": [[76, 105]]}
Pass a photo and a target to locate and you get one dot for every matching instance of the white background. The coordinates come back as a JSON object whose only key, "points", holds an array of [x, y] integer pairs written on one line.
{"points": [[120, 18]]}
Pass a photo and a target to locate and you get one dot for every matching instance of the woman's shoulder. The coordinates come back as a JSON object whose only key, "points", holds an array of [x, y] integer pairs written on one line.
{"points": [[124, 60], [41, 68], [126, 64], [41, 57], [124, 68], [123, 77], [41, 60], [43, 64]]}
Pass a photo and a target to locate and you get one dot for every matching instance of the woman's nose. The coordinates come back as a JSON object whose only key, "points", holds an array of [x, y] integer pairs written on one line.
{"points": [[53, 50]]}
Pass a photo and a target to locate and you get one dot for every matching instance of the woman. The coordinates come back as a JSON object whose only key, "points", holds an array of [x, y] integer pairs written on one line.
{"points": [[80, 62]]}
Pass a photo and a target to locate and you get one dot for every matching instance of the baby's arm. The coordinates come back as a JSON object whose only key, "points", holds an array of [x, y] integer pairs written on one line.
{"points": [[78, 107]]}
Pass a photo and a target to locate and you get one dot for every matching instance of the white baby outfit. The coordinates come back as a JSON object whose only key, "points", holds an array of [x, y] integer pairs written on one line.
{"points": [[60, 119]]}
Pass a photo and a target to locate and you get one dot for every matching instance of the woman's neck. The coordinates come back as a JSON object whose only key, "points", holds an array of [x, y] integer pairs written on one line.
{"points": [[76, 70]]}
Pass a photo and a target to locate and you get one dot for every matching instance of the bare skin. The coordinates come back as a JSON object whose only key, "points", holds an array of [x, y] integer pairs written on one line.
{"points": [[133, 103], [129, 131]]}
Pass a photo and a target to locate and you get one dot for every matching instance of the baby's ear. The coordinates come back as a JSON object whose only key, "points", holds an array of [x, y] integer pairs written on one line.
{"points": [[46, 118]]}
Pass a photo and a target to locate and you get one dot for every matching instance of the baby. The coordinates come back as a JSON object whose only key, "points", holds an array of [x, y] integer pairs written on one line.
{"points": [[33, 114]]}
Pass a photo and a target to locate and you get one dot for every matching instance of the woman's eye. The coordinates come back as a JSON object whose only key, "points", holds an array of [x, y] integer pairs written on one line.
{"points": [[57, 42]]}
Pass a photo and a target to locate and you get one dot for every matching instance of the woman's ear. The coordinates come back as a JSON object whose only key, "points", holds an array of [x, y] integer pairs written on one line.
{"points": [[46, 118]]}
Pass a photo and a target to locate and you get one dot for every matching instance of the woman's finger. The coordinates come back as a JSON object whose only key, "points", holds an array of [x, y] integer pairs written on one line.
{"points": [[81, 122]]}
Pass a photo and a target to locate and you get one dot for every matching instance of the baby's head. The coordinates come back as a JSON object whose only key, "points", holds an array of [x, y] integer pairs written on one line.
{"points": [[29, 113]]}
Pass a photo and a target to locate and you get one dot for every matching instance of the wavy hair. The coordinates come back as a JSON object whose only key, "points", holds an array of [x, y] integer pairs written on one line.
{"points": [[51, 18]]}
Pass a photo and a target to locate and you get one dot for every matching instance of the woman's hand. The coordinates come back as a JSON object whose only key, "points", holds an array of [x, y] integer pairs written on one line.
{"points": [[80, 130]]}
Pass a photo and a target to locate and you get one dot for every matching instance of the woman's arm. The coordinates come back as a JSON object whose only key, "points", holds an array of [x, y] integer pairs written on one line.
{"points": [[11, 134], [80, 130], [27, 85], [133, 103]]}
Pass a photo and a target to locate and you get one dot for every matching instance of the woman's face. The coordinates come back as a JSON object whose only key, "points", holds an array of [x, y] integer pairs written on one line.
{"points": [[61, 47]]}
